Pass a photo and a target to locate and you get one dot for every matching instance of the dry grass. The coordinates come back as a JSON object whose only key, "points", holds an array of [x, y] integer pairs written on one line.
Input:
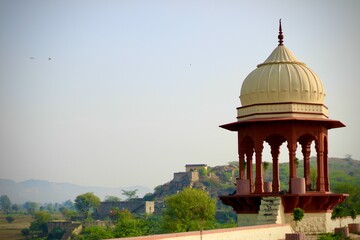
{"points": [[12, 230]]}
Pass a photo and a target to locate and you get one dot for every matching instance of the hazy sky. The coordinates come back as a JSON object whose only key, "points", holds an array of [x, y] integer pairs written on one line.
{"points": [[119, 93]]}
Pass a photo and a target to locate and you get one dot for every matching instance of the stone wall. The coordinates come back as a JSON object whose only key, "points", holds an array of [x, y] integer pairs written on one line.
{"points": [[314, 223], [134, 206], [263, 232]]}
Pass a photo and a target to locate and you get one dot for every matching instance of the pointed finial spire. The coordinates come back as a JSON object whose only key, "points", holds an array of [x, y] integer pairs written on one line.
{"points": [[280, 36]]}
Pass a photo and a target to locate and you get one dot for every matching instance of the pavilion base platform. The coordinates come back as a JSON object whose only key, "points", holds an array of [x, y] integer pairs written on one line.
{"points": [[272, 208]]}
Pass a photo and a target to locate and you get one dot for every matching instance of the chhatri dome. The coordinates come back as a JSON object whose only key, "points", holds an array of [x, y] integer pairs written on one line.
{"points": [[282, 87]]}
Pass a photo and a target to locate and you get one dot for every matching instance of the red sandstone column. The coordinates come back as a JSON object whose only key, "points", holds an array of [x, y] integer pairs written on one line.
{"points": [[326, 166], [320, 164], [259, 183], [292, 154], [275, 150], [241, 159], [249, 163], [306, 154]]}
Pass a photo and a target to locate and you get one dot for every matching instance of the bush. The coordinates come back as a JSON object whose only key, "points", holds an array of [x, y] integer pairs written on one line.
{"points": [[298, 214], [9, 219]]}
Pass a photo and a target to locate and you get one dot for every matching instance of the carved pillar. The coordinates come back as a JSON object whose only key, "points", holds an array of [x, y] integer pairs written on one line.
{"points": [[326, 166], [275, 151], [292, 154], [320, 186], [305, 149], [241, 159], [259, 182], [249, 163]]}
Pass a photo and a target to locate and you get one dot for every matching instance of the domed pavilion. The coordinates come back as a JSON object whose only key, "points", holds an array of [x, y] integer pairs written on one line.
{"points": [[282, 102]]}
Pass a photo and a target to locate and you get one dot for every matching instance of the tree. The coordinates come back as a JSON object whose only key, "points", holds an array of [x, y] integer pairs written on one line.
{"points": [[126, 225], [353, 214], [130, 194], [190, 209], [94, 233], [298, 214], [5, 204], [38, 228], [67, 213], [112, 199], [265, 166], [86, 202], [313, 178], [30, 207], [338, 212]]}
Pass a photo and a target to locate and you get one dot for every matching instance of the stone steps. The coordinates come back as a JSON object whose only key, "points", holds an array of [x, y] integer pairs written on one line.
{"points": [[269, 210]]}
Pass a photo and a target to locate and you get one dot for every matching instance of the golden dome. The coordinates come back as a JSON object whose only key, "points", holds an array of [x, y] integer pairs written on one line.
{"points": [[282, 87], [282, 78]]}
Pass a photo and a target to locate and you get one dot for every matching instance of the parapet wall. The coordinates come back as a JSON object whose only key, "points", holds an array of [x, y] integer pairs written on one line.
{"points": [[268, 232]]}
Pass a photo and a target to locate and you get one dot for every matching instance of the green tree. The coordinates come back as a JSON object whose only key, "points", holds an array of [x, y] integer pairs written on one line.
{"points": [[86, 202], [67, 213], [130, 194], [112, 199], [5, 204], [30, 207], [313, 178], [126, 225], [94, 233], [338, 212], [189, 210], [38, 228], [353, 201], [265, 166]]}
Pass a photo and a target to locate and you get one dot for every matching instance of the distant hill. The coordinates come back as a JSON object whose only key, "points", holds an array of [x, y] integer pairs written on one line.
{"points": [[48, 192], [220, 180]]}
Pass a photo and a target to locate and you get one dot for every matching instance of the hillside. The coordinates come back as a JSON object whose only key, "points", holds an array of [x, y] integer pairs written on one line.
{"points": [[220, 180], [48, 192]]}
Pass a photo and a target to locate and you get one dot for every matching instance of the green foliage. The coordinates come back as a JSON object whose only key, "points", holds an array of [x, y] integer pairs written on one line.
{"points": [[126, 225], [329, 236], [38, 228], [189, 210], [130, 194], [56, 234], [86, 202], [94, 233], [338, 212], [203, 172], [265, 166], [67, 213], [298, 214], [148, 197], [112, 199], [353, 201], [5, 204], [30, 207], [353, 214]]}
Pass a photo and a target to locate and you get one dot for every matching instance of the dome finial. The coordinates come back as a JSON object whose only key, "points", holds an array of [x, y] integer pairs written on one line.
{"points": [[280, 36]]}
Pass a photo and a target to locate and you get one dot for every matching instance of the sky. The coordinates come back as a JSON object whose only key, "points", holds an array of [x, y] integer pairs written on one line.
{"points": [[121, 93]]}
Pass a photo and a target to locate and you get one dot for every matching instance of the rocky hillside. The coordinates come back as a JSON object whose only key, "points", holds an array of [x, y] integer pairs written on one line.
{"points": [[220, 180]]}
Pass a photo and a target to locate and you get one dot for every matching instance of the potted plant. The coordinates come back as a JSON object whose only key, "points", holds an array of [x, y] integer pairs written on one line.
{"points": [[353, 227], [339, 213], [298, 215]]}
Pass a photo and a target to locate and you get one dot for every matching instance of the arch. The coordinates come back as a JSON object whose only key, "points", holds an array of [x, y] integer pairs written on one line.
{"points": [[275, 141], [305, 141], [246, 151]]}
